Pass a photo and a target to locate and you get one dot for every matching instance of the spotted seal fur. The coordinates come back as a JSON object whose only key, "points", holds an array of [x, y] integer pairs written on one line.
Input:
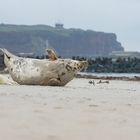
{"points": [[29, 71]]}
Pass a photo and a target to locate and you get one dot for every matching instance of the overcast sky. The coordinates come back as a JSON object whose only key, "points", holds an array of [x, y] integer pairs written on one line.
{"points": [[118, 16]]}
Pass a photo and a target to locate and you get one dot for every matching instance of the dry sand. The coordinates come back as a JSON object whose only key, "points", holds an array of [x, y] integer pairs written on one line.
{"points": [[78, 111]]}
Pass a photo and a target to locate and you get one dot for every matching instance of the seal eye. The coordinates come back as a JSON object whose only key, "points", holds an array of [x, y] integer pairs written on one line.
{"points": [[68, 67]]}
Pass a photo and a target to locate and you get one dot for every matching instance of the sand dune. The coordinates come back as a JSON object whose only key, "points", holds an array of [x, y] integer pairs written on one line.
{"points": [[78, 111]]}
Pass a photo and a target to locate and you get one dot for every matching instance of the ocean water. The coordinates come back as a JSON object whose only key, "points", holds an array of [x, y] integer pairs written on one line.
{"points": [[112, 74]]}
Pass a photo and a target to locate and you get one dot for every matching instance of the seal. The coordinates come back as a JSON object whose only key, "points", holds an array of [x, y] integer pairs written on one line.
{"points": [[29, 71], [5, 80]]}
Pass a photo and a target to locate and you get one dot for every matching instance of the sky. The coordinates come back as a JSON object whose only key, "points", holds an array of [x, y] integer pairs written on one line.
{"points": [[112, 16]]}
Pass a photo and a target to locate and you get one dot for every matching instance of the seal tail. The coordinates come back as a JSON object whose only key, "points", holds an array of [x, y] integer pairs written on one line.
{"points": [[6, 53], [7, 56]]}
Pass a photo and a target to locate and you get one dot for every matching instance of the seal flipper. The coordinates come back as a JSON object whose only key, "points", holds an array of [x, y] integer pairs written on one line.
{"points": [[54, 82], [52, 55], [7, 56], [7, 53]]}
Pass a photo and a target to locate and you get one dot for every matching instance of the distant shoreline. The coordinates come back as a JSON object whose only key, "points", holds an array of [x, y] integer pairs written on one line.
{"points": [[125, 78]]}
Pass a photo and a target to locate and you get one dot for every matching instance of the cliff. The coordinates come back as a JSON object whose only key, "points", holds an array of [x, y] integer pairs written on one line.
{"points": [[66, 42]]}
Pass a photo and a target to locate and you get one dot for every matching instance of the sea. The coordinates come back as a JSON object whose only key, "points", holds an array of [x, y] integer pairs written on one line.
{"points": [[112, 74]]}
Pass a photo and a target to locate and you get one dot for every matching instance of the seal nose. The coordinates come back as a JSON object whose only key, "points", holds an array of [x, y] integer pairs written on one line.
{"points": [[83, 65]]}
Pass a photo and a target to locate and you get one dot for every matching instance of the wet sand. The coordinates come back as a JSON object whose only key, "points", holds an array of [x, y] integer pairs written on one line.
{"points": [[78, 111]]}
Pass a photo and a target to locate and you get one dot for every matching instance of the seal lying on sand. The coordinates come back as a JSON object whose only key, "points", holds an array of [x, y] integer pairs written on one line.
{"points": [[28, 71]]}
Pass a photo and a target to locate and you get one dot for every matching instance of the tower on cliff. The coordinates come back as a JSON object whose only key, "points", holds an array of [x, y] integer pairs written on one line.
{"points": [[59, 26]]}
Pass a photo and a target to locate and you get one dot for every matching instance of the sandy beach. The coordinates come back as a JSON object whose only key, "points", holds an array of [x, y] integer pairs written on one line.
{"points": [[78, 111]]}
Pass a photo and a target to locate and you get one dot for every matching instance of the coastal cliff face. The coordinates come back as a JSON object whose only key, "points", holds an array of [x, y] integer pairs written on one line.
{"points": [[66, 42]]}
